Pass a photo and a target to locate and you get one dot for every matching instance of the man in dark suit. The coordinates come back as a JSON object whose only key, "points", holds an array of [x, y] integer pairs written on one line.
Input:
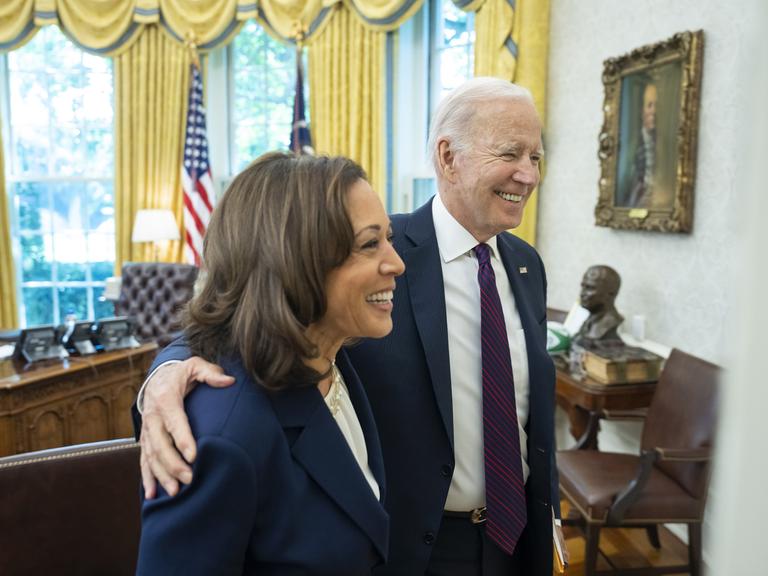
{"points": [[462, 390]]}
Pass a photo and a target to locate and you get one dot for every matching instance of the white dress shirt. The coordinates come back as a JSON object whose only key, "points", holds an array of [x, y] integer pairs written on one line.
{"points": [[462, 311], [342, 410]]}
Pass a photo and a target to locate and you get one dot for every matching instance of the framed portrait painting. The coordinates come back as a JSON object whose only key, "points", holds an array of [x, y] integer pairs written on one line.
{"points": [[647, 145]]}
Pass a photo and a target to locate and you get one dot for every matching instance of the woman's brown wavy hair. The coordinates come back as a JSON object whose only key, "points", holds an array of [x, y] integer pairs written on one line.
{"points": [[274, 236]]}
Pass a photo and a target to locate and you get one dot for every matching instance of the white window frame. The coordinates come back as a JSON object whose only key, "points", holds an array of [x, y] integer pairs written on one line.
{"points": [[89, 284]]}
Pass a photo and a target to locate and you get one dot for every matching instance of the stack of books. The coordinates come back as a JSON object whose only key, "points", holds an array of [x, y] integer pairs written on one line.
{"points": [[621, 364]]}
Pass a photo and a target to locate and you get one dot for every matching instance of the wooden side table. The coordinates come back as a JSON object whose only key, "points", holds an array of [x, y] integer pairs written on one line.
{"points": [[583, 397]]}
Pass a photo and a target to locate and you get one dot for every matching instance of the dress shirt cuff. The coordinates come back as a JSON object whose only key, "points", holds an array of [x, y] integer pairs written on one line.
{"points": [[140, 396]]}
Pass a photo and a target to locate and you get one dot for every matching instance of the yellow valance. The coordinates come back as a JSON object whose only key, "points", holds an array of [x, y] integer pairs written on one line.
{"points": [[108, 27]]}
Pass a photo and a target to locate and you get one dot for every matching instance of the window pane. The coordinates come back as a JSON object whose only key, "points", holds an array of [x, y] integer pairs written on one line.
{"points": [[70, 271], [99, 151], [70, 250], [65, 98], [29, 97], [62, 146], [38, 304], [32, 201], [67, 153], [101, 254], [100, 206], [455, 68], [102, 308], [264, 76], [454, 39], [73, 301], [61, 53], [30, 149], [97, 97], [68, 207], [36, 258], [102, 270]]}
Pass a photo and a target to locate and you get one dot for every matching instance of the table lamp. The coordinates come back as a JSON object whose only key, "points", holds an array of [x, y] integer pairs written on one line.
{"points": [[155, 226]]}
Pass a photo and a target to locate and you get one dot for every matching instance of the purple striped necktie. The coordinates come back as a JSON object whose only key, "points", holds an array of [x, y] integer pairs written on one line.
{"points": [[504, 487]]}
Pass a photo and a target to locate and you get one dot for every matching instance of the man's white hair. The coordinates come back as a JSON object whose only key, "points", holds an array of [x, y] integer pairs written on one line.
{"points": [[453, 116]]}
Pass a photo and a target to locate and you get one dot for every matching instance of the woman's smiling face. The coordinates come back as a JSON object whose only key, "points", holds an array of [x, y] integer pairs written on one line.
{"points": [[359, 292]]}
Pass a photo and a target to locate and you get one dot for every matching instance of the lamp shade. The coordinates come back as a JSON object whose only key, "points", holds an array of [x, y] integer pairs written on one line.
{"points": [[154, 226]]}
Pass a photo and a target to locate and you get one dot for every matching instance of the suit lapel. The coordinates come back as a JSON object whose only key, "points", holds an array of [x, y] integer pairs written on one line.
{"points": [[323, 452], [367, 422], [521, 289], [424, 275], [513, 263]]}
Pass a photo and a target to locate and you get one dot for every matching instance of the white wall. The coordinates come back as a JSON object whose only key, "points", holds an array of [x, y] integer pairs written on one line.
{"points": [[680, 283], [686, 286]]}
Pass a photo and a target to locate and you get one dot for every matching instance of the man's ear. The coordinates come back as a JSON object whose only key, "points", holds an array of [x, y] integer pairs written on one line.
{"points": [[446, 159]]}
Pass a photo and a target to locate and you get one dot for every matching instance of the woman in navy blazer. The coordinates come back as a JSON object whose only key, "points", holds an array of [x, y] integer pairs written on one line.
{"points": [[289, 476]]}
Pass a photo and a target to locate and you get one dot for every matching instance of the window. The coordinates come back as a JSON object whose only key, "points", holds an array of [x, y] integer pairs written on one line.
{"points": [[453, 40], [435, 55], [59, 169], [262, 84]]}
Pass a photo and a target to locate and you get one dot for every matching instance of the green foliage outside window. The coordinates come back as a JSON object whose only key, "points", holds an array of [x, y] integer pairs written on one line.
{"points": [[263, 73], [60, 166]]}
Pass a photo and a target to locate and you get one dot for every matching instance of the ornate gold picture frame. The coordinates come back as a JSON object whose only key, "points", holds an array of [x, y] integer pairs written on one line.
{"points": [[649, 136]]}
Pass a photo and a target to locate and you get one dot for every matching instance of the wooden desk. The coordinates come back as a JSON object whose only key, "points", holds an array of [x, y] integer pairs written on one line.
{"points": [[62, 402], [583, 397]]}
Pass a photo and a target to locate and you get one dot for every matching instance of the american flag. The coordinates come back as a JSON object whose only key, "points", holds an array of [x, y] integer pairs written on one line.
{"points": [[196, 174], [301, 139]]}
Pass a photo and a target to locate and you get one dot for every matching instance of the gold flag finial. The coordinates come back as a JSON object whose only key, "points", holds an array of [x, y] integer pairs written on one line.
{"points": [[299, 32], [190, 41]]}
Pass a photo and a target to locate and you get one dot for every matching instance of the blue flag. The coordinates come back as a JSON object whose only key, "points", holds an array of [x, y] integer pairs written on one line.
{"points": [[301, 139]]}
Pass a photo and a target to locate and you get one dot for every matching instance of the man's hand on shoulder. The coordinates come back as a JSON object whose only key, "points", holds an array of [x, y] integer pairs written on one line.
{"points": [[165, 428]]}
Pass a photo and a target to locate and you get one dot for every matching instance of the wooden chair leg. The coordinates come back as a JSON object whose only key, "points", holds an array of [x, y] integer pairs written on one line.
{"points": [[694, 548], [592, 532], [653, 535]]}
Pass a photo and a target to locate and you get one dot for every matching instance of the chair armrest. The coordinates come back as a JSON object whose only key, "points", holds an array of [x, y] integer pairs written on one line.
{"points": [[589, 437], [638, 414], [632, 492], [684, 454]]}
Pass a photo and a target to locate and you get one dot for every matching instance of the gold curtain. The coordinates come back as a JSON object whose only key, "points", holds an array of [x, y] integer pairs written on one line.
{"points": [[514, 44], [109, 27], [347, 87], [8, 311], [151, 91]]}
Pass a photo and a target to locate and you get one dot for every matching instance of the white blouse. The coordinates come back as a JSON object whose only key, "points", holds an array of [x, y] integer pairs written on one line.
{"points": [[340, 405]]}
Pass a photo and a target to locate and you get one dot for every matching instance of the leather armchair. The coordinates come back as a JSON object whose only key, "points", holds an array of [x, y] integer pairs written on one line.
{"points": [[667, 482], [73, 510], [154, 294]]}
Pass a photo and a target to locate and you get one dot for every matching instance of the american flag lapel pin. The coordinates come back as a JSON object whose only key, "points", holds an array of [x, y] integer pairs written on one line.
{"points": [[523, 270]]}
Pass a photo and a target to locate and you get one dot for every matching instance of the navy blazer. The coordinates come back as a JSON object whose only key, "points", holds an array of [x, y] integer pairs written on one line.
{"points": [[408, 381], [276, 488]]}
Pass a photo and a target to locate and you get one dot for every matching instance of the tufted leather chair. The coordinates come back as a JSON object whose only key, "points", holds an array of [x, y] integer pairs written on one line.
{"points": [[667, 482], [73, 510], [154, 294]]}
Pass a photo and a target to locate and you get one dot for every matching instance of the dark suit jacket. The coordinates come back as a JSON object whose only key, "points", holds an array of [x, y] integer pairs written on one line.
{"points": [[407, 377], [276, 489], [408, 381]]}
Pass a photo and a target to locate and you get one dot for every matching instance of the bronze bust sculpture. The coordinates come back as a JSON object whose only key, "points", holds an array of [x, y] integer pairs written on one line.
{"points": [[599, 288]]}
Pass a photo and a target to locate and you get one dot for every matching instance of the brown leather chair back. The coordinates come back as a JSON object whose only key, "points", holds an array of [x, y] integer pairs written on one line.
{"points": [[682, 415], [73, 510], [155, 293]]}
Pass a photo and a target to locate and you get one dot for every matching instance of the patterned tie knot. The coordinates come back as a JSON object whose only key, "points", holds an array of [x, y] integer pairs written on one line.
{"points": [[483, 253]]}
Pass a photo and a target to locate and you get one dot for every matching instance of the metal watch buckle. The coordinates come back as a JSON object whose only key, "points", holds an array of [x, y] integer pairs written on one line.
{"points": [[477, 516]]}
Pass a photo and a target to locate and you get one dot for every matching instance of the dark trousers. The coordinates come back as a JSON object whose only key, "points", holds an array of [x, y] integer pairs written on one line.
{"points": [[464, 549]]}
